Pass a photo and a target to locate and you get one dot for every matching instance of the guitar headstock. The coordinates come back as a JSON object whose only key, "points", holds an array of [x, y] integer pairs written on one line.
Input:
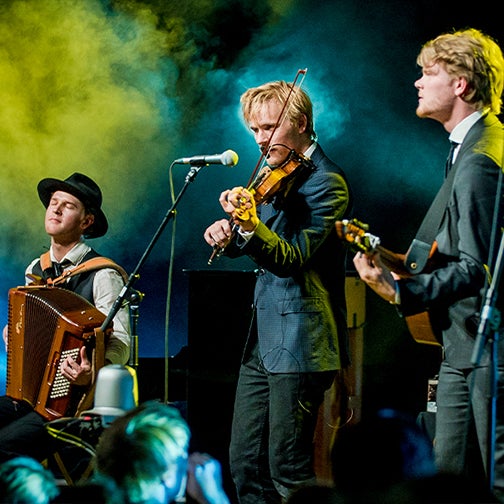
{"points": [[356, 233]]}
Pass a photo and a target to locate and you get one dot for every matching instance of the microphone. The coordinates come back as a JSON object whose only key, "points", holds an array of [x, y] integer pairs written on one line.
{"points": [[228, 158]]}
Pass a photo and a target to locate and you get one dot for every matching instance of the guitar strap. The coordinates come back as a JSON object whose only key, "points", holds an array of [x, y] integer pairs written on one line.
{"points": [[420, 249]]}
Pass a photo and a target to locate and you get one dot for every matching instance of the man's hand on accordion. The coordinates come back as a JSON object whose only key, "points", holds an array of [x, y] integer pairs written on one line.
{"points": [[78, 373]]}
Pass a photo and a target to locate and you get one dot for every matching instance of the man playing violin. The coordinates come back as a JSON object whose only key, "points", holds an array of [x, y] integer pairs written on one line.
{"points": [[298, 337]]}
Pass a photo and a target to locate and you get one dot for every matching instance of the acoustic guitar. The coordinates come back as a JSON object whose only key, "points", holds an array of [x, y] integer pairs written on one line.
{"points": [[356, 234]]}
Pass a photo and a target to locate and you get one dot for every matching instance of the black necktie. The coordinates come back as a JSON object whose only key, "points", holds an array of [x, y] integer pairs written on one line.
{"points": [[449, 159], [59, 267]]}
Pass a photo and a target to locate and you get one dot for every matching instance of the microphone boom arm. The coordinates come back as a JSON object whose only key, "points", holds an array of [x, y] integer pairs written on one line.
{"points": [[134, 276]]}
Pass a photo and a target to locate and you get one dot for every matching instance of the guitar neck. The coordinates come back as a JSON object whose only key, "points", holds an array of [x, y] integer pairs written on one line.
{"points": [[356, 235], [393, 261]]}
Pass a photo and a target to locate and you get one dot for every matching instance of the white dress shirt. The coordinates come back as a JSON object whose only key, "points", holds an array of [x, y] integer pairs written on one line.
{"points": [[107, 285]]}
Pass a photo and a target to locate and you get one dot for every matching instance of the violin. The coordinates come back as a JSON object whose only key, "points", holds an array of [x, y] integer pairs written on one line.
{"points": [[270, 182]]}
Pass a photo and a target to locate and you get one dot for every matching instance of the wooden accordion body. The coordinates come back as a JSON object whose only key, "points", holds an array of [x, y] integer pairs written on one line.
{"points": [[45, 325]]}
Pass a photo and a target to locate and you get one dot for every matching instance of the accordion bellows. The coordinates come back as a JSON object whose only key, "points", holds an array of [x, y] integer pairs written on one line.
{"points": [[45, 324]]}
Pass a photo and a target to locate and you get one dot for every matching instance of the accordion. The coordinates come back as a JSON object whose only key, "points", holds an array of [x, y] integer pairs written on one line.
{"points": [[45, 325]]}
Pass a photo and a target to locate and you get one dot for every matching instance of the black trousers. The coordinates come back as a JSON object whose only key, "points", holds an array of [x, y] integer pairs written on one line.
{"points": [[22, 431], [275, 415]]}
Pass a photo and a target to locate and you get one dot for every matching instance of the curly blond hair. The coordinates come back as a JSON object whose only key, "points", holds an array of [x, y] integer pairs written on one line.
{"points": [[474, 56]]}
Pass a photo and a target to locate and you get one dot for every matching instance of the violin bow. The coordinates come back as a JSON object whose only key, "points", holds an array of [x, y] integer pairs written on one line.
{"points": [[281, 118], [217, 251]]}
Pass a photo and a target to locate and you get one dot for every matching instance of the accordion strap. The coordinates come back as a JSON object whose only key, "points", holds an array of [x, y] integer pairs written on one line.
{"points": [[98, 360], [95, 263]]}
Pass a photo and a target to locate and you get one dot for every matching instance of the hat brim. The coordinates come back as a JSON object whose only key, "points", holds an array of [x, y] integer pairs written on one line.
{"points": [[48, 186]]}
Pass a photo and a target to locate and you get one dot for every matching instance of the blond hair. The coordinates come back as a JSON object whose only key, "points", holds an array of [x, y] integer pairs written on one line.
{"points": [[140, 447], [474, 56], [299, 103]]}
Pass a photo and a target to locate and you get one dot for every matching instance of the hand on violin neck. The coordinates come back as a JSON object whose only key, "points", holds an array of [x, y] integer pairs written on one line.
{"points": [[247, 220], [225, 201], [244, 213]]}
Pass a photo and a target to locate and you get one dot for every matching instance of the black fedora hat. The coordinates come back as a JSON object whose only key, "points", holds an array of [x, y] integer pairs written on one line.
{"points": [[81, 187]]}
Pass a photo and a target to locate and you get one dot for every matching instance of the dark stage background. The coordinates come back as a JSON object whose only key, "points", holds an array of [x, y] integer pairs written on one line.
{"points": [[119, 89]]}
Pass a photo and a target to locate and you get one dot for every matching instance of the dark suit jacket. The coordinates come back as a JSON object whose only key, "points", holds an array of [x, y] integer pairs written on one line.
{"points": [[300, 291], [452, 292]]}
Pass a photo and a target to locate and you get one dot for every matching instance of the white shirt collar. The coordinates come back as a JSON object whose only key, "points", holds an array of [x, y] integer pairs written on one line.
{"points": [[460, 131], [308, 152], [75, 255]]}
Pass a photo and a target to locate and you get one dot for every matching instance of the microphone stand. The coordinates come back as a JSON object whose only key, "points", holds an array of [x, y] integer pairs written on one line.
{"points": [[488, 331], [134, 276], [135, 299]]}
